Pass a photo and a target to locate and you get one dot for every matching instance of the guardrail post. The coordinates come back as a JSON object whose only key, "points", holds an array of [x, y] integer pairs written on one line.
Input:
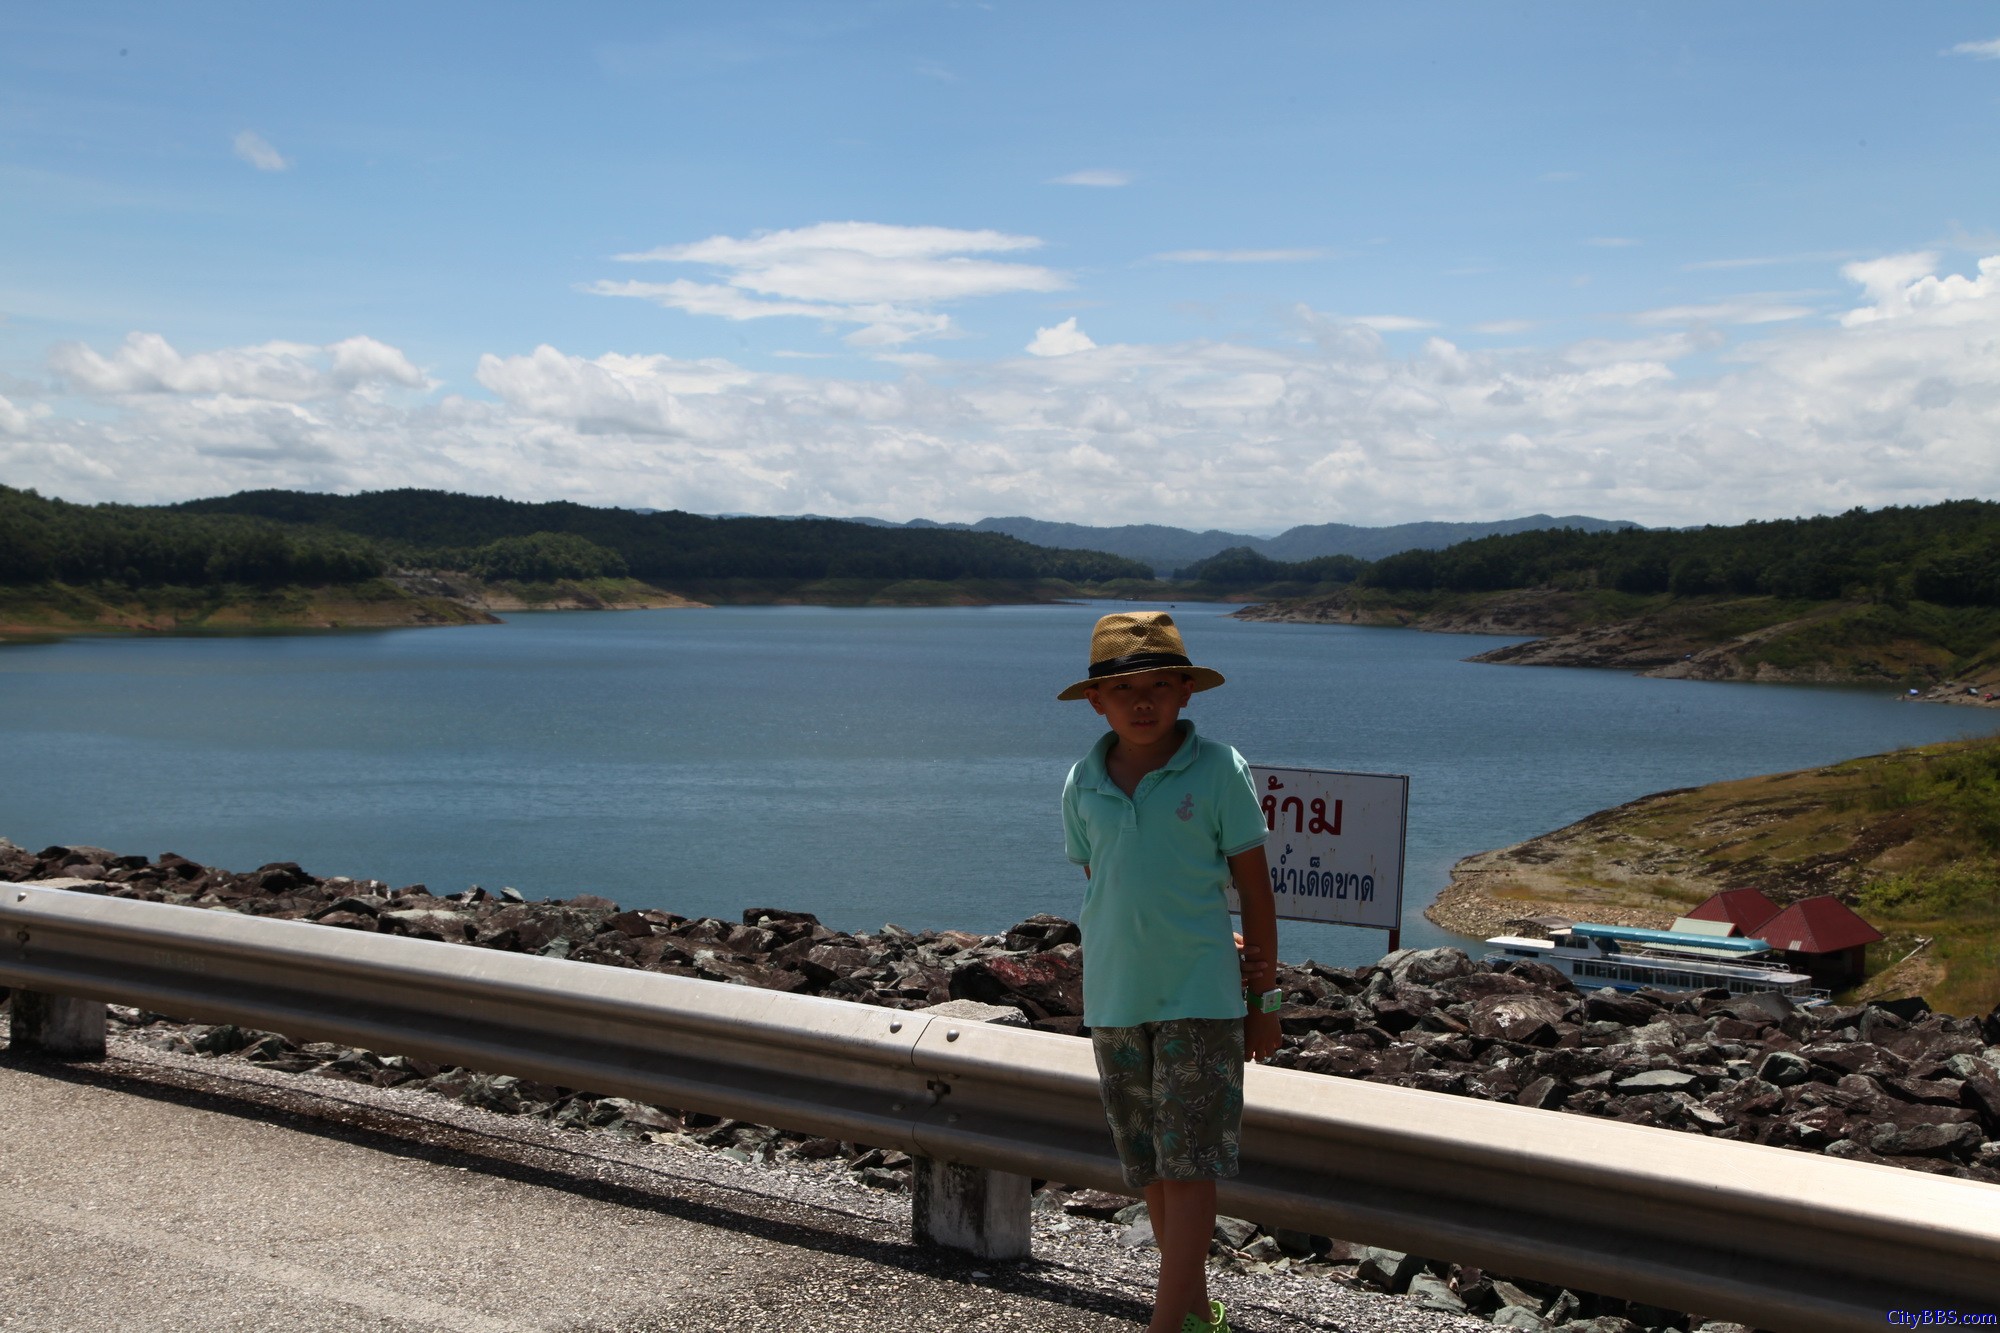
{"points": [[61, 1026], [958, 1207]]}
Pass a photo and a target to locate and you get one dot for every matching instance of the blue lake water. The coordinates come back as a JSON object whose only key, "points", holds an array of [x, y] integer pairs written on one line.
{"points": [[867, 765]]}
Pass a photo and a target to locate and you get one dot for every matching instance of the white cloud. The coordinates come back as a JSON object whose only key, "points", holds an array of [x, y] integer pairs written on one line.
{"points": [[1239, 256], [255, 149], [1978, 50], [1101, 177], [1893, 405], [1504, 326], [1903, 285], [1393, 323], [1061, 340], [1611, 242], [289, 372], [1738, 310], [882, 277]]}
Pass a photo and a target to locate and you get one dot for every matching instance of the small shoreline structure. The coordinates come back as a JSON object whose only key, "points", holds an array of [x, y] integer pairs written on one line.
{"points": [[1877, 876], [1680, 958]]}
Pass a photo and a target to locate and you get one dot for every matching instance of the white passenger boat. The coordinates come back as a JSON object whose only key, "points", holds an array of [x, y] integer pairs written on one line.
{"points": [[1634, 958]]}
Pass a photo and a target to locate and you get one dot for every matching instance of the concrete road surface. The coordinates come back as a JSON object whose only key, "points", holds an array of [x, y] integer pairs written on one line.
{"points": [[138, 1195]]}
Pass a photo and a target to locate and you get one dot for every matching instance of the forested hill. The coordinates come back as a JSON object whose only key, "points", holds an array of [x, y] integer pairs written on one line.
{"points": [[1168, 549], [1909, 595], [1945, 553], [283, 560], [670, 548]]}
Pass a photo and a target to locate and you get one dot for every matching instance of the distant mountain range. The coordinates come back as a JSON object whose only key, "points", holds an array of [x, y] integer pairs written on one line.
{"points": [[1168, 549]]}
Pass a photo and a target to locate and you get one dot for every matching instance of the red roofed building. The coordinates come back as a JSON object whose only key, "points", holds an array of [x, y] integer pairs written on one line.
{"points": [[1745, 909], [1822, 937]]}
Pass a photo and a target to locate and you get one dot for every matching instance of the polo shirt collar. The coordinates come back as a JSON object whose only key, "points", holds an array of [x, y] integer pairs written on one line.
{"points": [[1099, 776]]}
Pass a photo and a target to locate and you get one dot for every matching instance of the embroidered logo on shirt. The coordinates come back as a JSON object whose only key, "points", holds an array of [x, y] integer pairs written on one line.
{"points": [[1185, 810]]}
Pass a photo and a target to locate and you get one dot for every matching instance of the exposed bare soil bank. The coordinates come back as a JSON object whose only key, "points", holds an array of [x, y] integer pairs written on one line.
{"points": [[1761, 639], [54, 610], [563, 595]]}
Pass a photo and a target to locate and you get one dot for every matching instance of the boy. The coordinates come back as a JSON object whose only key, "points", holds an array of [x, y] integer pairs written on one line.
{"points": [[1161, 820]]}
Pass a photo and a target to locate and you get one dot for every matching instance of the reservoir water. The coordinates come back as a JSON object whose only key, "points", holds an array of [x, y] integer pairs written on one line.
{"points": [[867, 765]]}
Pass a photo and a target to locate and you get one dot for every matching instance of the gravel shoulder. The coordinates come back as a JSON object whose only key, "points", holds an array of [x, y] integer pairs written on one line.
{"points": [[165, 1192]]}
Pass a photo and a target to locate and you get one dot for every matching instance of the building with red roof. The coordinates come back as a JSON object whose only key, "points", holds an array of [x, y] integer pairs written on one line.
{"points": [[1824, 938], [1821, 936], [1745, 909]]}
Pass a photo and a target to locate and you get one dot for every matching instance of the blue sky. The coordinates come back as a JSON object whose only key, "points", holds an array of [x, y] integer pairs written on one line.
{"points": [[1237, 265]]}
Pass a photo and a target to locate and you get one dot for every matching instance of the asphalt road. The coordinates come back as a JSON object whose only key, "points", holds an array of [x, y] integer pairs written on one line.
{"points": [[142, 1194]]}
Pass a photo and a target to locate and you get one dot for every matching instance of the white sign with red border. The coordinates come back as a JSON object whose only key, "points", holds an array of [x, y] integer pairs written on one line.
{"points": [[1336, 844]]}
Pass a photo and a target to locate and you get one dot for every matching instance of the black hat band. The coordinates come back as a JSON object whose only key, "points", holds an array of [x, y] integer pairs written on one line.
{"points": [[1131, 662]]}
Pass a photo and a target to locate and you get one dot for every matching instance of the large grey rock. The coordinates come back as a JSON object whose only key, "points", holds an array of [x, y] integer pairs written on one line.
{"points": [[1138, 1236], [1520, 1316], [977, 1011], [1391, 1270], [1052, 980], [426, 923], [1524, 1018], [1099, 1204], [1426, 967], [1784, 1069], [1658, 1080], [1431, 1293], [1543, 1094], [1235, 1232], [1893, 1140]]}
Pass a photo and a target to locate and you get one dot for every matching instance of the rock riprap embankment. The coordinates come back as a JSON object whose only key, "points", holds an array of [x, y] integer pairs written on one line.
{"points": [[1887, 1083], [1890, 1083]]}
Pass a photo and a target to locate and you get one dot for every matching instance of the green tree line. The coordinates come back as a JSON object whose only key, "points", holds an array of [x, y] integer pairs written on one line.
{"points": [[1948, 554], [673, 547], [45, 540], [273, 538]]}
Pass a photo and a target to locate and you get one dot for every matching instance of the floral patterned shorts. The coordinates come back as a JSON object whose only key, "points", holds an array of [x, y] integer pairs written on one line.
{"points": [[1173, 1092]]}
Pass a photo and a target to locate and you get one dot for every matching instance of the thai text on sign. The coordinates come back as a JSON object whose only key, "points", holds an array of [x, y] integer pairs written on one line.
{"points": [[1336, 844]]}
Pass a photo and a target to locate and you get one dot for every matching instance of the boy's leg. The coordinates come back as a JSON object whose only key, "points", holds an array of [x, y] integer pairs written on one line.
{"points": [[1198, 1111], [1183, 1214], [1156, 1212]]}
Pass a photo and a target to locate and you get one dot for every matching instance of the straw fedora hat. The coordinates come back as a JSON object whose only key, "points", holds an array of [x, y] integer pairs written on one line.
{"points": [[1127, 643]]}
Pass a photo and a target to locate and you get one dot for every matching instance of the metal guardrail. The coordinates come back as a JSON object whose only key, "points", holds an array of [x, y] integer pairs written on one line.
{"points": [[1787, 1241]]}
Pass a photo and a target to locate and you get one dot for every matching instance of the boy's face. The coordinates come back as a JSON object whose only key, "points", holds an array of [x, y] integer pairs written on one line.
{"points": [[1142, 708]]}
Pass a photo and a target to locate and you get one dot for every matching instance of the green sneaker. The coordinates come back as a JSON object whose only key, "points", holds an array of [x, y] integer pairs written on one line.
{"points": [[1217, 1321]]}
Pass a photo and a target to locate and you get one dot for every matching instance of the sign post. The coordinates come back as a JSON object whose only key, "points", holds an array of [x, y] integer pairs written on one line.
{"points": [[1336, 845]]}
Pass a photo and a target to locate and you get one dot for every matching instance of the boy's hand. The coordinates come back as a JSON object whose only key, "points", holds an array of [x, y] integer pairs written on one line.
{"points": [[1260, 1036], [1258, 974]]}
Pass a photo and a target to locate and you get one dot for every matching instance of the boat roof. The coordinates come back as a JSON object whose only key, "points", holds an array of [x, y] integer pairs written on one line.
{"points": [[1718, 945], [1522, 942]]}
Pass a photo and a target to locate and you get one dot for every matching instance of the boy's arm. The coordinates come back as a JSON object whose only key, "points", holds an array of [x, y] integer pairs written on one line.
{"points": [[1252, 876]]}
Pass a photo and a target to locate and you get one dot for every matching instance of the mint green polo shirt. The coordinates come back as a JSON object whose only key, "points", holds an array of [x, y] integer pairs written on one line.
{"points": [[1157, 939]]}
